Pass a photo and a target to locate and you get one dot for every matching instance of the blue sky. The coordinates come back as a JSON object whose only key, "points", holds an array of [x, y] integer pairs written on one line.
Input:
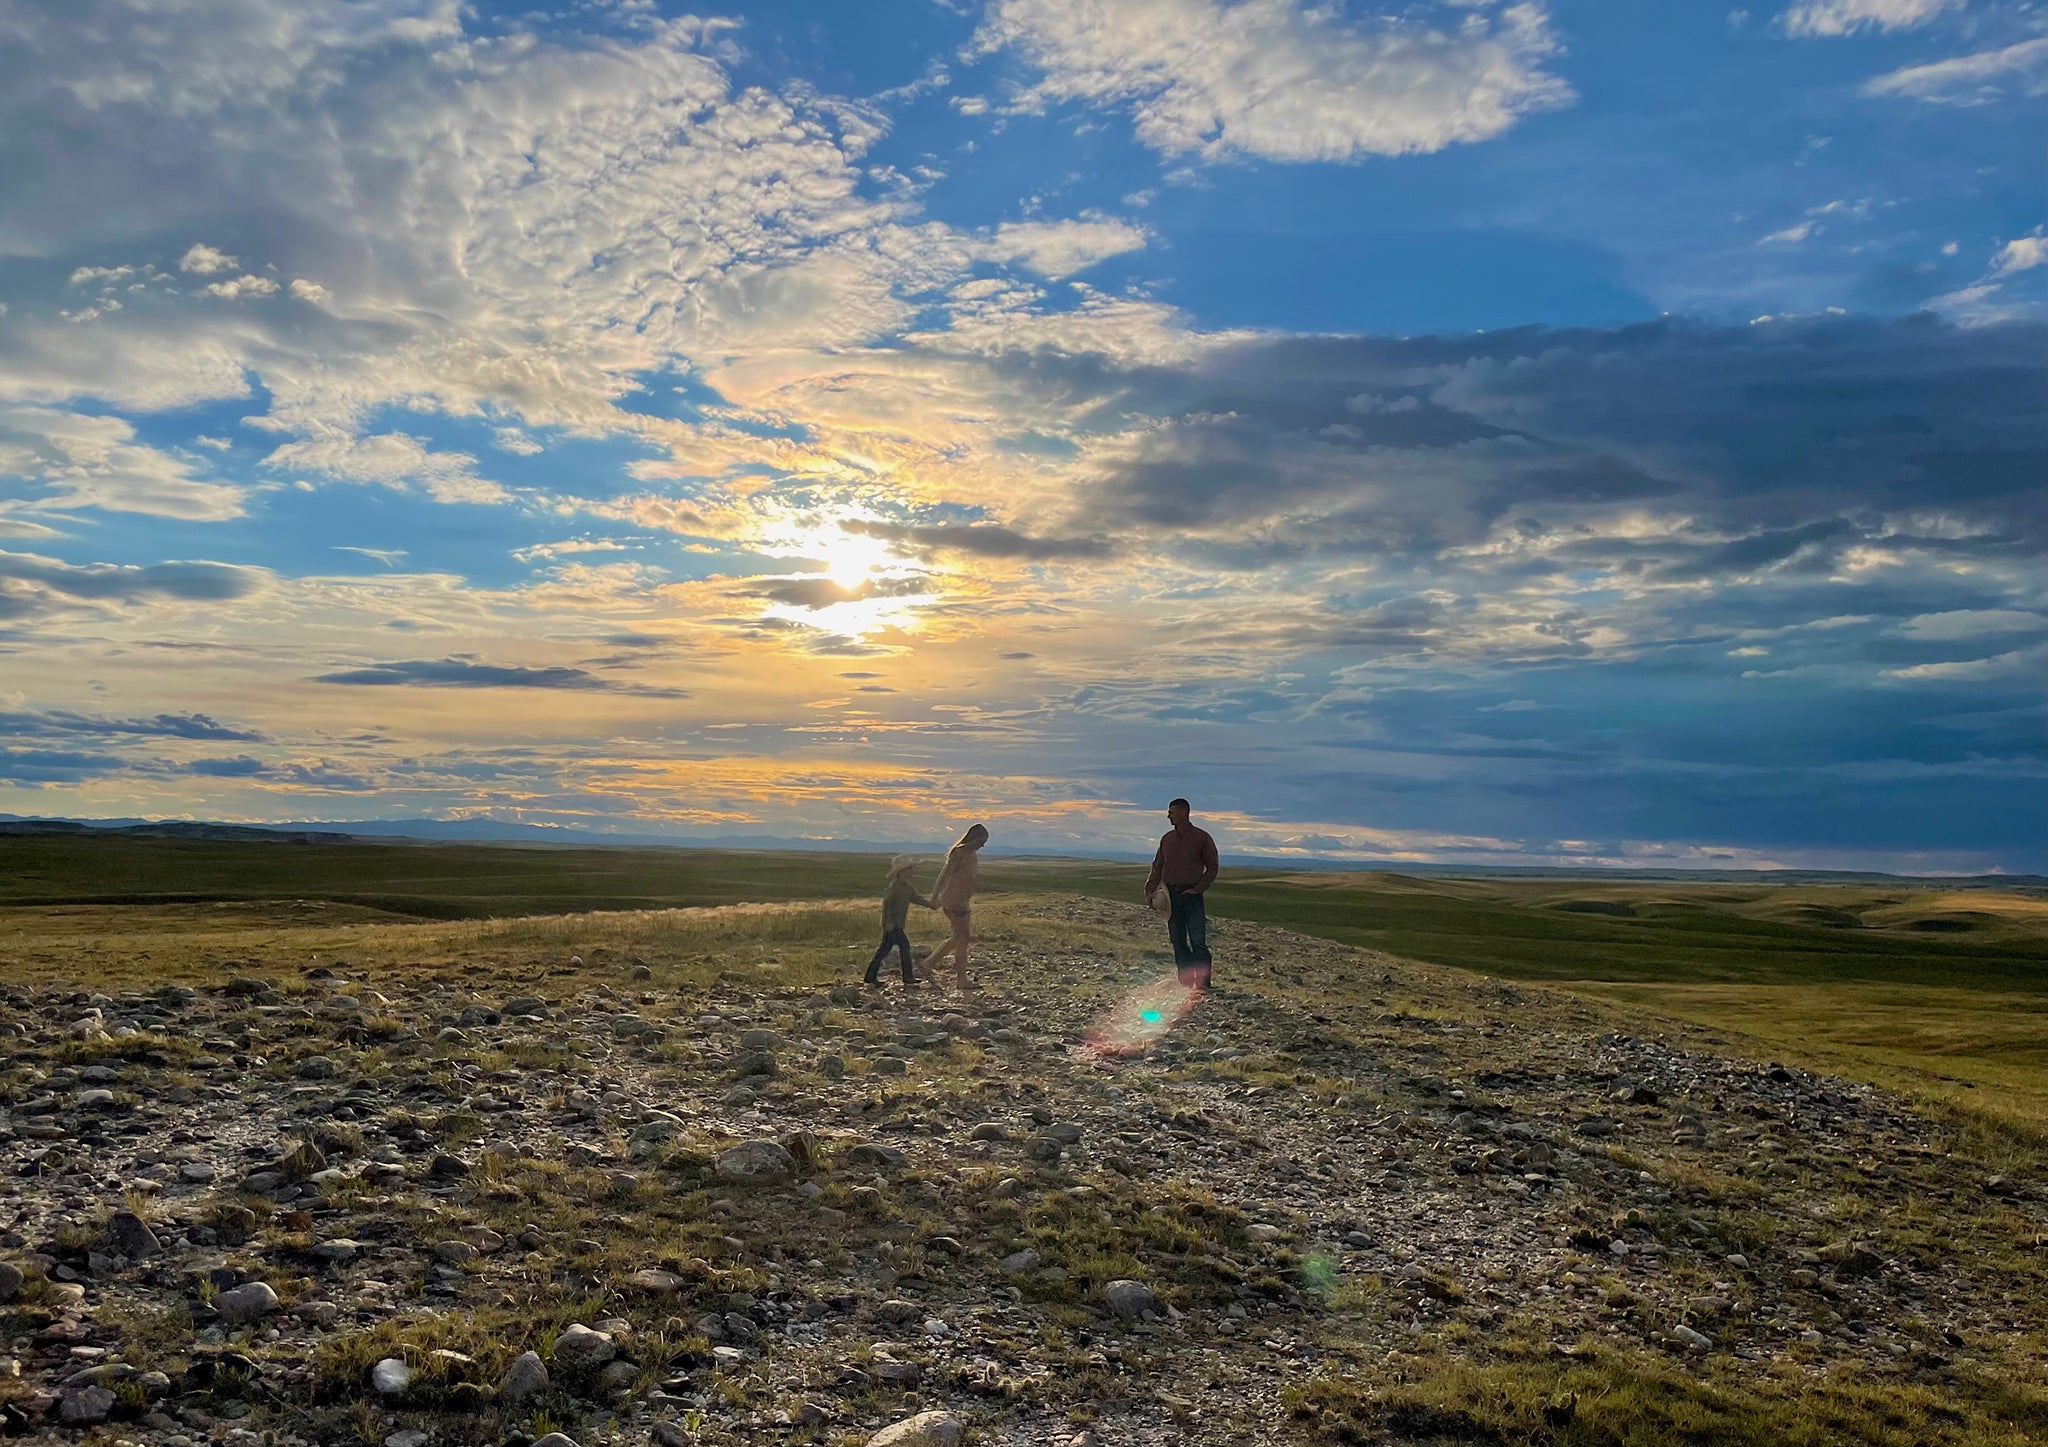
{"points": [[1586, 432]]}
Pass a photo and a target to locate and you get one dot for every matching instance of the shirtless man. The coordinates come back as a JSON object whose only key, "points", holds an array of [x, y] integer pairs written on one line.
{"points": [[1186, 866]]}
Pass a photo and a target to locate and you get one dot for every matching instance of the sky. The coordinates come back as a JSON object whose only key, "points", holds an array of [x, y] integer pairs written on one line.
{"points": [[1583, 432]]}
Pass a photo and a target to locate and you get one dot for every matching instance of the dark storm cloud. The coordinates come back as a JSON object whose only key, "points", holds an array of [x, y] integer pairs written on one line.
{"points": [[817, 592], [164, 725], [465, 673], [126, 583], [1290, 447], [982, 540]]}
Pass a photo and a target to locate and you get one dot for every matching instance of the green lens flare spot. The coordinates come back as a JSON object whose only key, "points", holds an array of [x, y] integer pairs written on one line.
{"points": [[1151, 1017]]}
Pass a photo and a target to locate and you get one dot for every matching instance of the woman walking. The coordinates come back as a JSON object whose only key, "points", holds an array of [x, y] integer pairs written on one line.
{"points": [[954, 894]]}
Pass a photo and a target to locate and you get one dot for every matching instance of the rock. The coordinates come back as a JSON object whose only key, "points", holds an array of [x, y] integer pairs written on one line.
{"points": [[129, 1235], [1691, 1340], [669, 1434], [1021, 1261], [926, 1429], [557, 1439], [631, 1027], [317, 1067], [390, 1377], [757, 1163], [755, 1062], [454, 1253], [760, 1040], [407, 1437], [656, 1282], [888, 1065], [530, 1005], [246, 1303], [11, 1279], [85, 1406], [739, 1096], [196, 1173], [1130, 1300], [874, 1157], [579, 1349], [989, 1130], [527, 1375], [335, 1253]]}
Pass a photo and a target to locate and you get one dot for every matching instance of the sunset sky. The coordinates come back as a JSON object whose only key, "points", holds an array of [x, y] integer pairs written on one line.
{"points": [[1596, 432]]}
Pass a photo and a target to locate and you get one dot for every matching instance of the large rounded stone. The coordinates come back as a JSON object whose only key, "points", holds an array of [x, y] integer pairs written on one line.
{"points": [[579, 1349], [246, 1303], [526, 1376], [926, 1429], [757, 1163], [1130, 1300]]}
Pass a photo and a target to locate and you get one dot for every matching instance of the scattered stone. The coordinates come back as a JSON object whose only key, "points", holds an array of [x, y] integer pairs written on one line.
{"points": [[757, 1163], [926, 1429], [390, 1377], [526, 1376], [246, 1303], [580, 1349], [1130, 1300], [128, 1235], [85, 1406]]}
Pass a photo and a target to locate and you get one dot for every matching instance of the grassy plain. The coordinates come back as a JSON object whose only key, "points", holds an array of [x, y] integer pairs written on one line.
{"points": [[1939, 992]]}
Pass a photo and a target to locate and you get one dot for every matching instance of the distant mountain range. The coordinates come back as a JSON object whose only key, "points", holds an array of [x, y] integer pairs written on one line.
{"points": [[492, 831]]}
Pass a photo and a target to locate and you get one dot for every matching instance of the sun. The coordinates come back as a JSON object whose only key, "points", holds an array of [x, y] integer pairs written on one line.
{"points": [[853, 558]]}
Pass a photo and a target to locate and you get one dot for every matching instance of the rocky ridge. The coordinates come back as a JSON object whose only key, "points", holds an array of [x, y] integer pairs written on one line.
{"points": [[451, 1205]]}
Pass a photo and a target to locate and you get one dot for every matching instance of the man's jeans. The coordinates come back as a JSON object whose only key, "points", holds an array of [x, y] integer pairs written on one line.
{"points": [[1187, 925]]}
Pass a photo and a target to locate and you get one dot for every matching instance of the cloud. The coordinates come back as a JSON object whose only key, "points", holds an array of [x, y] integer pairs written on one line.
{"points": [[389, 459], [465, 673], [97, 462], [1060, 248], [204, 260], [819, 593], [163, 725], [983, 540], [127, 583], [1968, 79], [1281, 80], [242, 286], [1846, 17]]}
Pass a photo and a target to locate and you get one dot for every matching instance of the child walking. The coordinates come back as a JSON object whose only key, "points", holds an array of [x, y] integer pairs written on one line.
{"points": [[954, 893], [897, 898]]}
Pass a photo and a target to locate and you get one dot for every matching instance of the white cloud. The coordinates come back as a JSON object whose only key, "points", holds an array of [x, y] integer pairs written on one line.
{"points": [[2022, 254], [1060, 248], [389, 459], [1972, 623], [96, 462], [204, 260], [1846, 17], [1790, 236], [304, 290], [1282, 80], [243, 286], [1968, 79], [1995, 295], [512, 440]]}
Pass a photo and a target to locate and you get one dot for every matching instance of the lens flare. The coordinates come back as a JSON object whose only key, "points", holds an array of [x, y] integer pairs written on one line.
{"points": [[1142, 1018]]}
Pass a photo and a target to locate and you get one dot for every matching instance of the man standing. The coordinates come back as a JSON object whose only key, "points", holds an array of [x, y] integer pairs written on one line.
{"points": [[1186, 866]]}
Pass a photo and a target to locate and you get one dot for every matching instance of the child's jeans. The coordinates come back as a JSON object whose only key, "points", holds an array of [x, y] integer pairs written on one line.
{"points": [[901, 941]]}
